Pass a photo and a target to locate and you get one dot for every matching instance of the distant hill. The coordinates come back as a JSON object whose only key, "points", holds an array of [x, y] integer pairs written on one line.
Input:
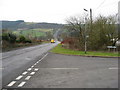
{"points": [[21, 25], [11, 25]]}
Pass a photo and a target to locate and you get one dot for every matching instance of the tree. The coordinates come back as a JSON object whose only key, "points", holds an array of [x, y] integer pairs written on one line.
{"points": [[76, 24], [12, 38], [49, 35], [103, 31], [22, 39], [9, 37]]}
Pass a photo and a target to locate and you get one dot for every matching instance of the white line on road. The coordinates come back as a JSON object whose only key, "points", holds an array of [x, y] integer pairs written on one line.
{"points": [[32, 73], [24, 73], [113, 68], [29, 69], [63, 68], [28, 77], [32, 66], [21, 84], [11, 84], [43, 57], [35, 64], [19, 77], [1, 68], [28, 58], [36, 69]]}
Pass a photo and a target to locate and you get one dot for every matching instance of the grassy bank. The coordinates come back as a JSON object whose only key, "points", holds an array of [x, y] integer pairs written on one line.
{"points": [[60, 50]]}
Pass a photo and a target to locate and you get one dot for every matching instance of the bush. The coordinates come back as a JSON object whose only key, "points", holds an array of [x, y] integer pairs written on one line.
{"points": [[9, 37], [22, 39], [12, 38], [28, 41], [5, 37]]}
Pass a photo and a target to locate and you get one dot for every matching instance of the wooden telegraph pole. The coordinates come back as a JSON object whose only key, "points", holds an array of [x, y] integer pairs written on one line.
{"points": [[90, 20]]}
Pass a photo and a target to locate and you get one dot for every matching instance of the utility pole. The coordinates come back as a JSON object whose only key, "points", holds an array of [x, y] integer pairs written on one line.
{"points": [[119, 20], [85, 31], [119, 28], [90, 20], [86, 28], [85, 35]]}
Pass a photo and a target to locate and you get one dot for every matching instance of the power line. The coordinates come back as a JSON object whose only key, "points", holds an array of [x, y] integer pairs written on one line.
{"points": [[101, 4], [112, 3], [106, 5]]}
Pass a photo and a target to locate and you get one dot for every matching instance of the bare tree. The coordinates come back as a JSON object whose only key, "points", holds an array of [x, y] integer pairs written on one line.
{"points": [[76, 24]]}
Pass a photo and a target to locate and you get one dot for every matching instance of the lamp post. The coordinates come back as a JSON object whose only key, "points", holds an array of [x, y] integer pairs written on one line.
{"points": [[85, 32]]}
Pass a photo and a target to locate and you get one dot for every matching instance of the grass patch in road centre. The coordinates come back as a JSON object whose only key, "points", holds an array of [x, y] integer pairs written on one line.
{"points": [[60, 50]]}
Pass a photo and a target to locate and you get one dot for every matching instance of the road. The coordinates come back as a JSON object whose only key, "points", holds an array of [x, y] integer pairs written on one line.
{"points": [[61, 71], [15, 62], [26, 68]]}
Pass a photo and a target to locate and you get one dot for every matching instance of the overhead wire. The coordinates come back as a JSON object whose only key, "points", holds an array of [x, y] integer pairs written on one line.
{"points": [[101, 4], [106, 5]]}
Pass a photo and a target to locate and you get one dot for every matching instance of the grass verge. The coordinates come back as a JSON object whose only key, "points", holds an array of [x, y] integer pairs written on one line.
{"points": [[60, 50], [19, 46]]}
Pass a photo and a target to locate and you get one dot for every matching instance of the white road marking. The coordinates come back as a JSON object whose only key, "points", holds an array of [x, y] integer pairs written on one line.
{"points": [[28, 77], [24, 73], [32, 66], [21, 84], [11, 84], [19, 77], [63, 68], [28, 58], [29, 69], [35, 64], [36, 69], [113, 68], [43, 57], [32, 73], [1, 68]]}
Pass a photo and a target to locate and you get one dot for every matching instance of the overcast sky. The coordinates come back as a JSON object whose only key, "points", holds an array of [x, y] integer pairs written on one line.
{"points": [[54, 11]]}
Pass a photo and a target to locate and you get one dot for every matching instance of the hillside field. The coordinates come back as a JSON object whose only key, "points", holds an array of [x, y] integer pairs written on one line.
{"points": [[33, 32]]}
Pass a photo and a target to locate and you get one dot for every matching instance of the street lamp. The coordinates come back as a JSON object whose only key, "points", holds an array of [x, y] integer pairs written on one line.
{"points": [[86, 10], [85, 32]]}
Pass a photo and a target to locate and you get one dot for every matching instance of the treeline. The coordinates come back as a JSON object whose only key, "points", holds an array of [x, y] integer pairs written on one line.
{"points": [[20, 24], [98, 34], [11, 25], [11, 41]]}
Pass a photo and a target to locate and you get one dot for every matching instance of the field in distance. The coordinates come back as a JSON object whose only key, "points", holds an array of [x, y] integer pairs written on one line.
{"points": [[34, 32]]}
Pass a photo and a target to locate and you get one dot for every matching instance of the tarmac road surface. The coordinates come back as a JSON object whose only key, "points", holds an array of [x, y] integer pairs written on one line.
{"points": [[16, 61], [63, 71]]}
